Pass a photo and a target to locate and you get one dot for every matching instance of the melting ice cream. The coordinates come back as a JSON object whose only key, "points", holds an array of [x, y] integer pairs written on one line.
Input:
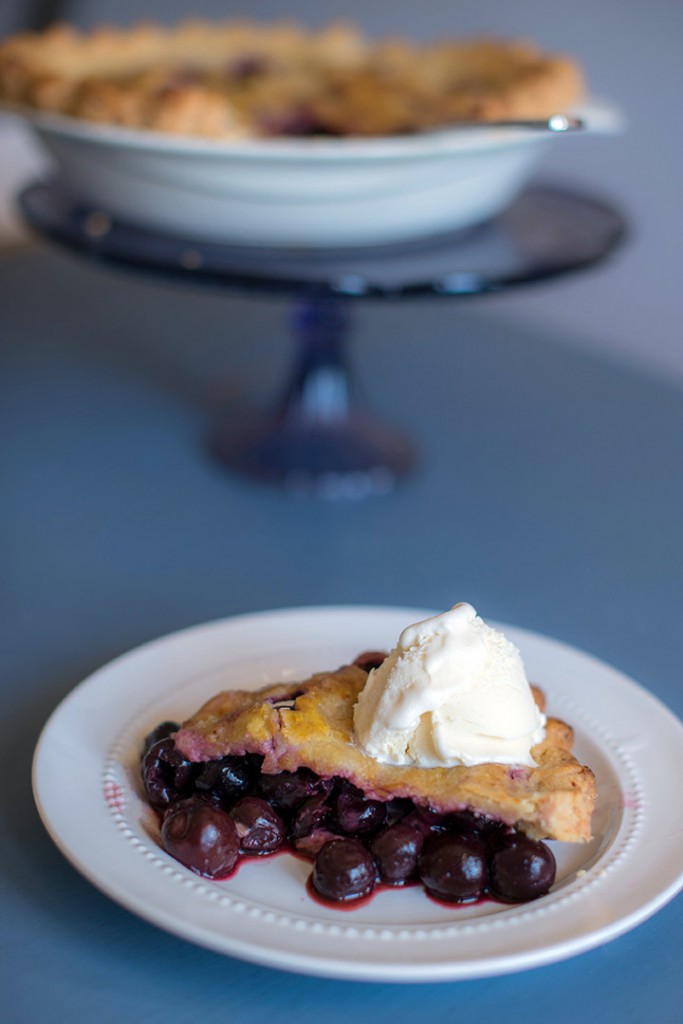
{"points": [[452, 692]]}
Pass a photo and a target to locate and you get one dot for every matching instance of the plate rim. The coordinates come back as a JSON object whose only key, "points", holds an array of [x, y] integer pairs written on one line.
{"points": [[338, 968]]}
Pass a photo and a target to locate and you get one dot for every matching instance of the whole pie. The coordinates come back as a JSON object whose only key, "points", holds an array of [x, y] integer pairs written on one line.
{"points": [[239, 79]]}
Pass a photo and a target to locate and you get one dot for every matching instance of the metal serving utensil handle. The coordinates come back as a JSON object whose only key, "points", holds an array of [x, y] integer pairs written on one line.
{"points": [[557, 123]]}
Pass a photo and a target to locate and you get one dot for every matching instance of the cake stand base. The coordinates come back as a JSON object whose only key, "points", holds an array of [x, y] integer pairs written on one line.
{"points": [[319, 440]]}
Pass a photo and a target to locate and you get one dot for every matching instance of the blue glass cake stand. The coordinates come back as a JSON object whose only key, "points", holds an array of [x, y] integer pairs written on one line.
{"points": [[319, 438]]}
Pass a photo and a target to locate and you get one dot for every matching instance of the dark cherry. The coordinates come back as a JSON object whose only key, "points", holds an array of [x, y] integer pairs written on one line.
{"points": [[343, 870], [167, 775], [309, 816], [453, 867], [286, 790], [355, 814], [427, 820], [310, 844], [260, 828], [160, 732], [398, 809], [370, 659], [396, 852], [489, 827], [467, 824], [201, 836], [521, 868], [226, 779]]}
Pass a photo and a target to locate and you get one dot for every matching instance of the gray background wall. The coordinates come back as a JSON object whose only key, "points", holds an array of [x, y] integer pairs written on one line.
{"points": [[632, 53]]}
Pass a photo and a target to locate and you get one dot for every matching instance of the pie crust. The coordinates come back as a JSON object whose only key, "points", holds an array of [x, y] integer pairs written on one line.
{"points": [[310, 725], [240, 79]]}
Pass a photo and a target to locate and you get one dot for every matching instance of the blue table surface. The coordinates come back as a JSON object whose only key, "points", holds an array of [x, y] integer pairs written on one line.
{"points": [[549, 495]]}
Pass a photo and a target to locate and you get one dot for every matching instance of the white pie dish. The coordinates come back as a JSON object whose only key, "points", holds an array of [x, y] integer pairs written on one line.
{"points": [[300, 192]]}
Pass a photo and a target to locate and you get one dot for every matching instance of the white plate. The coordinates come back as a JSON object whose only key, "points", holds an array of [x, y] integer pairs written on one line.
{"points": [[88, 794], [299, 192]]}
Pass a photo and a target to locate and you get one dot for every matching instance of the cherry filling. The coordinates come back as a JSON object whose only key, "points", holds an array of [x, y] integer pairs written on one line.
{"points": [[201, 836], [217, 812]]}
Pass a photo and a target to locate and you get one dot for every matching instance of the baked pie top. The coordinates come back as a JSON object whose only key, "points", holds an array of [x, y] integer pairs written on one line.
{"points": [[239, 79], [310, 725]]}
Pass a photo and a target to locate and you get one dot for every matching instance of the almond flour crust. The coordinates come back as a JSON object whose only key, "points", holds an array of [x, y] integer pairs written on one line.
{"points": [[241, 79], [314, 729]]}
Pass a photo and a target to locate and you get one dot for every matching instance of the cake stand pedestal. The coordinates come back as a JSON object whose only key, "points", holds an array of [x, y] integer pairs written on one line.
{"points": [[319, 438]]}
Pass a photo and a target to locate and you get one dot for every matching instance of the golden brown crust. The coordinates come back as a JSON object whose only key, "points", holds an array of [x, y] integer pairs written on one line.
{"points": [[314, 729], [258, 79]]}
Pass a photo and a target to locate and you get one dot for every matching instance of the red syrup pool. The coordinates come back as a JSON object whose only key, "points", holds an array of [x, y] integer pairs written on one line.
{"points": [[245, 859], [358, 902], [364, 901], [453, 905]]}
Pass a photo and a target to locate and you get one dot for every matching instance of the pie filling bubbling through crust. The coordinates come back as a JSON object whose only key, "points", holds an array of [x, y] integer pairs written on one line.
{"points": [[240, 79]]}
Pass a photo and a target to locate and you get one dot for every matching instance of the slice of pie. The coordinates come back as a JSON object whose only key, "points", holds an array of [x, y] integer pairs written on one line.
{"points": [[240, 79], [309, 725]]}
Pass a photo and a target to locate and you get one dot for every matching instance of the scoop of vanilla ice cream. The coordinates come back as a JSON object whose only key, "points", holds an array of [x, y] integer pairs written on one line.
{"points": [[452, 692]]}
